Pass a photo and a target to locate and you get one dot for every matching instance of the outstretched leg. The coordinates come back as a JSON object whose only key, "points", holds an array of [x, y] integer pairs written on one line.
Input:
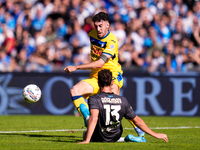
{"points": [[138, 130], [115, 89], [85, 112], [78, 100], [77, 92]]}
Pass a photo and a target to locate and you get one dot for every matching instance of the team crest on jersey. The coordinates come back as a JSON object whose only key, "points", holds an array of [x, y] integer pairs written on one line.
{"points": [[103, 45]]}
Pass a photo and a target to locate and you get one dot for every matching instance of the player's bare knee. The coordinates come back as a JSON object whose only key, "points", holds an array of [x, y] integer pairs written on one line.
{"points": [[74, 91]]}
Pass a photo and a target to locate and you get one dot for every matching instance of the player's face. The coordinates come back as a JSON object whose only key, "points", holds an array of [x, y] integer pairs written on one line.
{"points": [[102, 28]]}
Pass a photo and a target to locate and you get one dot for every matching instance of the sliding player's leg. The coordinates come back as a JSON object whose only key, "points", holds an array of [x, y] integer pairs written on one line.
{"points": [[117, 84], [132, 138], [138, 130]]}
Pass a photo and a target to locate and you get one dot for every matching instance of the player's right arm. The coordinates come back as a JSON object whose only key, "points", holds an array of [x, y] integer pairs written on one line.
{"points": [[91, 125], [92, 65], [142, 125]]}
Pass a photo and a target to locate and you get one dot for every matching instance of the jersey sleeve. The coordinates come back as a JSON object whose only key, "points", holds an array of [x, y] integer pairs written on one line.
{"points": [[111, 47], [92, 102], [130, 114]]}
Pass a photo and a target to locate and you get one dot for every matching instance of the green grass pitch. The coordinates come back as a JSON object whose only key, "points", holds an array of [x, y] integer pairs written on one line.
{"points": [[49, 132]]}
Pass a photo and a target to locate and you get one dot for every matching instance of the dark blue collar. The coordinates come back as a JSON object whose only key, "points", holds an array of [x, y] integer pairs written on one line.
{"points": [[105, 35]]}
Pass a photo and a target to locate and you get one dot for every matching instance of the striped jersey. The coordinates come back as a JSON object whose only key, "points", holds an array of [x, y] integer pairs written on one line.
{"points": [[106, 45]]}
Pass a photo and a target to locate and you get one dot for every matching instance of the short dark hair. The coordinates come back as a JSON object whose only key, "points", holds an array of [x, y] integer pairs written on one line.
{"points": [[101, 16], [104, 78]]}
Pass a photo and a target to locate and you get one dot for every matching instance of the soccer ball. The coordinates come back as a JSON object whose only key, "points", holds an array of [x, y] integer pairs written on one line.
{"points": [[31, 93]]}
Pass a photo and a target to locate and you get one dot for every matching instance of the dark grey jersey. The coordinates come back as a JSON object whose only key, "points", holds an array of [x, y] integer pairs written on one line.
{"points": [[112, 108]]}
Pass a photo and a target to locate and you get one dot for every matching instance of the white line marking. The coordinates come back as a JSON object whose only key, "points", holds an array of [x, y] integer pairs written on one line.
{"points": [[59, 130], [182, 127], [72, 130]]}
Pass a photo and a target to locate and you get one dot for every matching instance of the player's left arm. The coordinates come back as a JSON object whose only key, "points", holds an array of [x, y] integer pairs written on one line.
{"points": [[91, 125], [142, 125]]}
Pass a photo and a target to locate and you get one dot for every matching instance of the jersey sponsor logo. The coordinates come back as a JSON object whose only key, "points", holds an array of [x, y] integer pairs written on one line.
{"points": [[97, 42], [113, 125]]}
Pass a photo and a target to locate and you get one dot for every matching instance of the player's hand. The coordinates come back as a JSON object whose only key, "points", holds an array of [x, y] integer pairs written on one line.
{"points": [[161, 136], [70, 69]]}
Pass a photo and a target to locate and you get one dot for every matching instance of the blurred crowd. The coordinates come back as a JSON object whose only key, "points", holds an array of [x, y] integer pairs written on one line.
{"points": [[47, 35]]}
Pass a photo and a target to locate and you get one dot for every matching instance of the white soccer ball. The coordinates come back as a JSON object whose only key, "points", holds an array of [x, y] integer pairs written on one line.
{"points": [[31, 93]]}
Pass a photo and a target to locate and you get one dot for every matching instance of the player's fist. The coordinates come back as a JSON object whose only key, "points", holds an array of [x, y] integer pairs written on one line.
{"points": [[70, 69]]}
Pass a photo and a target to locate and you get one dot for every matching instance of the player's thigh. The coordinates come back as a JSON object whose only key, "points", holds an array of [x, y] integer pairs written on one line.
{"points": [[81, 88], [94, 83]]}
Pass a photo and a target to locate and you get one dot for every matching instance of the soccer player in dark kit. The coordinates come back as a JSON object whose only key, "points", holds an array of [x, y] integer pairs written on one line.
{"points": [[106, 112]]}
